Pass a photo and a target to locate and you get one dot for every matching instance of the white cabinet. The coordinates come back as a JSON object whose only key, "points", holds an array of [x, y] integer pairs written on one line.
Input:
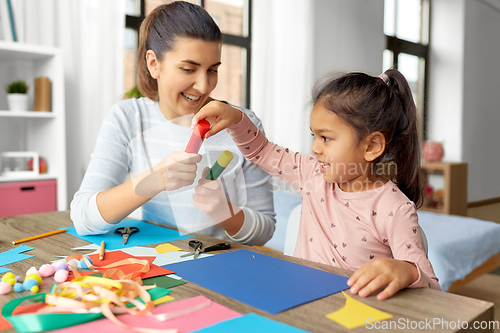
{"points": [[33, 131]]}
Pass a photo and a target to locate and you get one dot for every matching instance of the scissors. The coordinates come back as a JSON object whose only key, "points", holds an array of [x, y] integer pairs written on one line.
{"points": [[198, 248], [126, 232]]}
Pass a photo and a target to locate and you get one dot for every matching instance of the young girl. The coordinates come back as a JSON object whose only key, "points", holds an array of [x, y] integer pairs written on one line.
{"points": [[360, 189], [178, 59]]}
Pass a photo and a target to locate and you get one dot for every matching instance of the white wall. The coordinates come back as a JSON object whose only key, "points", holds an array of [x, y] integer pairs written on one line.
{"points": [[464, 98], [349, 36]]}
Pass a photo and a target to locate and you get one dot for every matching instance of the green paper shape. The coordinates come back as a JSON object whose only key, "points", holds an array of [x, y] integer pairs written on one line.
{"points": [[163, 281], [155, 293], [31, 322]]}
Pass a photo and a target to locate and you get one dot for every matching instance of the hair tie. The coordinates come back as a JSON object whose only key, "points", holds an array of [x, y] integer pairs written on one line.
{"points": [[384, 78]]}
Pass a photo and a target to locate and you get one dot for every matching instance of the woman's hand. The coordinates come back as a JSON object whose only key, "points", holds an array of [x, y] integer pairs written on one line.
{"points": [[224, 114], [395, 274], [178, 169]]}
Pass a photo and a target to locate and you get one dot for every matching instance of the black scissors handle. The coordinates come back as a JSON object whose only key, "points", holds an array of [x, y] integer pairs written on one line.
{"points": [[127, 230], [217, 247]]}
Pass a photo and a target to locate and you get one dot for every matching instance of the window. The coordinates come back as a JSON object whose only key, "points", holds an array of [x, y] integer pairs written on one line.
{"points": [[406, 26], [232, 17]]}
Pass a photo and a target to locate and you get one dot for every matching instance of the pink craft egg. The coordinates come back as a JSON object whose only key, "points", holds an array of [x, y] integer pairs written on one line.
{"points": [[32, 270], [5, 288], [61, 275], [47, 270]]}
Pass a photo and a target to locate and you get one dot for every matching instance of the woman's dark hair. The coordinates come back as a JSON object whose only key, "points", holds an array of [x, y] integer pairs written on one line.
{"points": [[380, 104], [160, 30]]}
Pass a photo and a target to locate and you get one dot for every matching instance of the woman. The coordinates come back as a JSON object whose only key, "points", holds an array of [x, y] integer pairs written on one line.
{"points": [[178, 58]]}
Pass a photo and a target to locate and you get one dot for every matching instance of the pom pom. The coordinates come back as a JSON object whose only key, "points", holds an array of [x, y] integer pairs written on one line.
{"points": [[29, 283], [61, 275], [57, 263], [83, 264], [10, 281], [32, 270], [64, 266], [18, 287], [47, 270], [34, 276], [34, 289], [8, 276], [19, 279], [5, 288]]}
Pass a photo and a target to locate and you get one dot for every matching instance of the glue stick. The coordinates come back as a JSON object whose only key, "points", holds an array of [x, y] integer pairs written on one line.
{"points": [[197, 137], [219, 165]]}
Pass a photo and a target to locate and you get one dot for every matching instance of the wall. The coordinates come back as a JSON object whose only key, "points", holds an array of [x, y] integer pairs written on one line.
{"points": [[463, 89], [481, 119]]}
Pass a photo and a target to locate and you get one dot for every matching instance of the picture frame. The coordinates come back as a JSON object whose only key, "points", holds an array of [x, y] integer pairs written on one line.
{"points": [[15, 163]]}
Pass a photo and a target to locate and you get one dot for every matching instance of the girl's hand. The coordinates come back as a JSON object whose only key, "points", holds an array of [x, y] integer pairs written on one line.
{"points": [[395, 274], [224, 114], [177, 169], [210, 198]]}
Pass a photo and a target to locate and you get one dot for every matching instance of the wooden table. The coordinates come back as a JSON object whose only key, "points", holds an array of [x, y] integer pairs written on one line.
{"points": [[410, 307]]}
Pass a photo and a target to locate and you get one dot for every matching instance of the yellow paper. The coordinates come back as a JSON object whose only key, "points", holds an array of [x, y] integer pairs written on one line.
{"points": [[163, 299], [355, 314], [167, 247]]}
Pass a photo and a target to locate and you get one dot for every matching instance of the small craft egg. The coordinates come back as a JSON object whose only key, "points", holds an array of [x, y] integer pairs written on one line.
{"points": [[5, 288], [32, 270], [18, 287], [64, 266], [34, 276], [29, 283], [8, 276], [47, 270], [73, 262], [61, 275], [83, 264]]}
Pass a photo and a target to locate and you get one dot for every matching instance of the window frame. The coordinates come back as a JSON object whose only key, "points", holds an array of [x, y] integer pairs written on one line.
{"points": [[134, 22], [421, 50]]}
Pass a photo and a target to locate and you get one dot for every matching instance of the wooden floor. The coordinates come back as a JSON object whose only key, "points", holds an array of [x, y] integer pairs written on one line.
{"points": [[487, 288]]}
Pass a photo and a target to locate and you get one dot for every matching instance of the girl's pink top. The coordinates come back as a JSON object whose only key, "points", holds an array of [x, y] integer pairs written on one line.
{"points": [[343, 229]]}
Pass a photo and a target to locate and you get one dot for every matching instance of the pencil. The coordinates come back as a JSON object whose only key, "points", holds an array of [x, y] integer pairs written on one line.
{"points": [[38, 236], [101, 253]]}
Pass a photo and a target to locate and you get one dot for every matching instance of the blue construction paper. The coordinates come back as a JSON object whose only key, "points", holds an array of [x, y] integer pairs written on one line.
{"points": [[250, 323], [13, 255], [148, 234], [266, 283]]}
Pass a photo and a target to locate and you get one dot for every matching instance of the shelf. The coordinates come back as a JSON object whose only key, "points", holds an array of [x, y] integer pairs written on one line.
{"points": [[454, 200], [23, 178], [26, 114]]}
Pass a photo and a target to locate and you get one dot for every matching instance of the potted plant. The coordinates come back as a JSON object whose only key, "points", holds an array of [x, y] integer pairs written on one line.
{"points": [[17, 96]]}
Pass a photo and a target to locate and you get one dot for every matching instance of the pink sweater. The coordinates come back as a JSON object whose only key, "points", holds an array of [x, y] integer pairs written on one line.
{"points": [[343, 229]]}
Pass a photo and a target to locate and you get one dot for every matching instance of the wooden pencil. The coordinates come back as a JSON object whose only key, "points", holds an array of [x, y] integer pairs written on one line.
{"points": [[38, 236]]}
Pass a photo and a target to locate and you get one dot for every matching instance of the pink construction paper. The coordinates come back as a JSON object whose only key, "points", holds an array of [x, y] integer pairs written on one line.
{"points": [[212, 314]]}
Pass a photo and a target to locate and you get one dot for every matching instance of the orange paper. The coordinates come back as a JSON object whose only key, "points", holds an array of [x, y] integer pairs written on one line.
{"points": [[114, 256]]}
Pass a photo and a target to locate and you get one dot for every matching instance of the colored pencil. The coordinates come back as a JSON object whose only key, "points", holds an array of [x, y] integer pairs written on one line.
{"points": [[38, 236], [101, 253]]}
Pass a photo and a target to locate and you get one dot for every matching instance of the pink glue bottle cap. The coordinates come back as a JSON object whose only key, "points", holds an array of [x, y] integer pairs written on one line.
{"points": [[197, 137]]}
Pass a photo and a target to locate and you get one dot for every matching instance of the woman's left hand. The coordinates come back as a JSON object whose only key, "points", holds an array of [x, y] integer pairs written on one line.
{"points": [[392, 273], [210, 198]]}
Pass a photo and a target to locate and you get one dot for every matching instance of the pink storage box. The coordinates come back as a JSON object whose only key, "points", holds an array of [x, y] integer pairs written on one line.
{"points": [[28, 197]]}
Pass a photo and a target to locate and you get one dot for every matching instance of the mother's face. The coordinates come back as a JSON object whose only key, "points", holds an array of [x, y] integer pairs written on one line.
{"points": [[186, 75]]}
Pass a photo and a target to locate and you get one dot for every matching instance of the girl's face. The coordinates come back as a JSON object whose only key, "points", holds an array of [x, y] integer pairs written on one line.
{"points": [[341, 156], [186, 76]]}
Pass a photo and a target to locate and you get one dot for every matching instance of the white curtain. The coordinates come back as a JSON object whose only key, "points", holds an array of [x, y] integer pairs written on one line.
{"points": [[283, 70], [90, 34]]}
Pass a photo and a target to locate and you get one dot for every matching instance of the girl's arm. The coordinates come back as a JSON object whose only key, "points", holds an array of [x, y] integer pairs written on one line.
{"points": [[410, 267]]}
